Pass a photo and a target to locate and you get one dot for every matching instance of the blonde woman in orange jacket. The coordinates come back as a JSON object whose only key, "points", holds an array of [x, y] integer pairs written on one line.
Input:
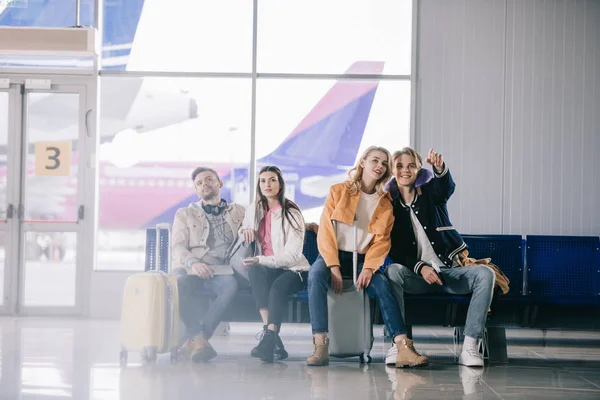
{"points": [[360, 200]]}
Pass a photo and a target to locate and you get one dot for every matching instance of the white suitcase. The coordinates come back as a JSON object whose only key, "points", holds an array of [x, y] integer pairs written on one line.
{"points": [[350, 326], [150, 313]]}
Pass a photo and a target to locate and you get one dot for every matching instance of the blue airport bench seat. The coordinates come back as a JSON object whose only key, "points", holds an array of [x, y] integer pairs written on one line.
{"points": [[507, 252], [564, 281], [507, 310], [561, 280]]}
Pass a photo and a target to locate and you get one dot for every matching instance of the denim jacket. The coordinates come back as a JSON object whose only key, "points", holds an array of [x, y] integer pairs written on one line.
{"points": [[430, 208]]}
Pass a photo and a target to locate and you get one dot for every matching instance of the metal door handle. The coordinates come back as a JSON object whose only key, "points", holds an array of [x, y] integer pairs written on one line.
{"points": [[10, 210]]}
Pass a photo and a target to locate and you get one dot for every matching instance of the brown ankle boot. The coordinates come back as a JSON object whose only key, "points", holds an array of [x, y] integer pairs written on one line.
{"points": [[320, 355], [201, 350], [185, 349], [408, 356]]}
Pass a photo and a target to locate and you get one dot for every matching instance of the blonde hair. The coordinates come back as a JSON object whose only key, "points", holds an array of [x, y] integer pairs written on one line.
{"points": [[355, 174], [408, 151]]}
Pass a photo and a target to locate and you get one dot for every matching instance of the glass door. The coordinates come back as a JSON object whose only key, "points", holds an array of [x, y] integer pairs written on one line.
{"points": [[10, 100], [45, 215]]}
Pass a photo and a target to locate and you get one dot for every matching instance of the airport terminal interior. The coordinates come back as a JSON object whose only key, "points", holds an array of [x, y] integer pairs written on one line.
{"points": [[108, 106]]}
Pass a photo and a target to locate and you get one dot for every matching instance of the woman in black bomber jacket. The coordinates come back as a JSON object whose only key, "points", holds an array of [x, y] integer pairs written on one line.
{"points": [[425, 245]]}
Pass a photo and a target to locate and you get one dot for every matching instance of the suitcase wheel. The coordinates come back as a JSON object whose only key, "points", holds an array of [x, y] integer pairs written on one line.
{"points": [[148, 355], [365, 358], [123, 358]]}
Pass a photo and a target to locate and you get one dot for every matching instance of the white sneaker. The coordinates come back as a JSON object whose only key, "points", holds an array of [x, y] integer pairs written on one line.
{"points": [[470, 357], [392, 355]]}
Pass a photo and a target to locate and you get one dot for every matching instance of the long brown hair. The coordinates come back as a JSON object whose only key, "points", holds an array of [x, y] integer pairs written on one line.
{"points": [[355, 174], [286, 204]]}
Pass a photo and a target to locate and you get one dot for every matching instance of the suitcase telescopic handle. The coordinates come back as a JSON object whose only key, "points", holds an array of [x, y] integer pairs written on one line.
{"points": [[355, 251], [160, 227]]}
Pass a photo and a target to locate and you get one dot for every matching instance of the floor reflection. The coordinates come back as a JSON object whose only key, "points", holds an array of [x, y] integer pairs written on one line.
{"points": [[78, 359]]}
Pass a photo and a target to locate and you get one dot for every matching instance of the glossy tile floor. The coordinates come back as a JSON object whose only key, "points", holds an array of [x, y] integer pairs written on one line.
{"points": [[78, 359]]}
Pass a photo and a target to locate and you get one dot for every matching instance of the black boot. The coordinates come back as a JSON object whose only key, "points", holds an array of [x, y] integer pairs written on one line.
{"points": [[255, 352], [266, 347], [280, 353]]}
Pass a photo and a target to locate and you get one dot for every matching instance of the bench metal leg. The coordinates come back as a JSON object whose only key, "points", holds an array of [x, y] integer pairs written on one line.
{"points": [[496, 345], [459, 336], [290, 310], [298, 311]]}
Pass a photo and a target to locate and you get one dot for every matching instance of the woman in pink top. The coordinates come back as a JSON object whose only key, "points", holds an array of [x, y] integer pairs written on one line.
{"points": [[277, 226]]}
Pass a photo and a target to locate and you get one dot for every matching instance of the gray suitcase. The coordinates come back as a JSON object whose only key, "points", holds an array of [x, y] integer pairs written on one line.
{"points": [[350, 326]]}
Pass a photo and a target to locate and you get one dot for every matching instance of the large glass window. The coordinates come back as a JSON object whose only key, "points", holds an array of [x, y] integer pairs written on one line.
{"points": [[154, 132], [157, 128], [315, 36], [315, 130], [178, 35]]}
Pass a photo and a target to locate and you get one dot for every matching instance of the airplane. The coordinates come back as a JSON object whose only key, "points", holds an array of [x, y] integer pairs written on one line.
{"points": [[142, 181], [316, 154], [132, 103]]}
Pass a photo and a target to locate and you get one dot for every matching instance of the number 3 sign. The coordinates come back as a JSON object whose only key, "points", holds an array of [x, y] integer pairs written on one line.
{"points": [[53, 158]]}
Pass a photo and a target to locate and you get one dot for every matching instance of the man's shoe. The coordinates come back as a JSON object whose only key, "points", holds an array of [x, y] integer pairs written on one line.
{"points": [[185, 350], [408, 357], [201, 350], [320, 354]]}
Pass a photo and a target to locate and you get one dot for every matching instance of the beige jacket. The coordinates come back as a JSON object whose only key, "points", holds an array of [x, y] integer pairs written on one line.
{"points": [[287, 248], [191, 229]]}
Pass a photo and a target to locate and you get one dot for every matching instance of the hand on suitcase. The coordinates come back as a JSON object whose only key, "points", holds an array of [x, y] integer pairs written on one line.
{"points": [[250, 261], [337, 283], [364, 279], [202, 270], [249, 235]]}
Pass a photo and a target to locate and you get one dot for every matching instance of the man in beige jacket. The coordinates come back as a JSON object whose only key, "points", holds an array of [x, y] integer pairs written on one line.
{"points": [[203, 235]]}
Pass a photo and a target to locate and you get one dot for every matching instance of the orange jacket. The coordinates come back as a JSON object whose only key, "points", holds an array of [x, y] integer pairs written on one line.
{"points": [[341, 206]]}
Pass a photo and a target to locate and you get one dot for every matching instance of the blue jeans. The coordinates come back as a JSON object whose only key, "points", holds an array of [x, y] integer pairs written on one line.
{"points": [[319, 281], [478, 280], [192, 291]]}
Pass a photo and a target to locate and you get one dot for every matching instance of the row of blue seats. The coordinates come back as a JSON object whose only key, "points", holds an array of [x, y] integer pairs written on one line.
{"points": [[557, 268], [554, 283], [541, 269]]}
